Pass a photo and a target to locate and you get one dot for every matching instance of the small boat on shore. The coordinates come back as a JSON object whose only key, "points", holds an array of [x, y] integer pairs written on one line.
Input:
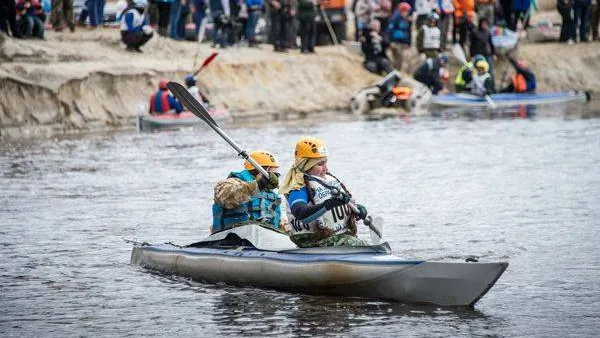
{"points": [[506, 100], [262, 257], [172, 120]]}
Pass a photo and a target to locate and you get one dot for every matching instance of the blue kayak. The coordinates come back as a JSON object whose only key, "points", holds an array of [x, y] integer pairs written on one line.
{"points": [[504, 100]]}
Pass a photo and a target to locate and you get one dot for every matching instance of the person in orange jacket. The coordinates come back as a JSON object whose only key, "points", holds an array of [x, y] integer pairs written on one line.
{"points": [[464, 13]]}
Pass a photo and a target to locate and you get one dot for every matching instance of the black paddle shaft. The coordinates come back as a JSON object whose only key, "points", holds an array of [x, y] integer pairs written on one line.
{"points": [[198, 109]]}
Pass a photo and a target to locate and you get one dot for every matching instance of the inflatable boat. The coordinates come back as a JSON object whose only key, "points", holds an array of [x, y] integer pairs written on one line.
{"points": [[172, 120]]}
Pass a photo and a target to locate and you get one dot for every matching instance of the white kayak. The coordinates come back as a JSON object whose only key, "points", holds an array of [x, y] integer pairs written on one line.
{"points": [[258, 256]]}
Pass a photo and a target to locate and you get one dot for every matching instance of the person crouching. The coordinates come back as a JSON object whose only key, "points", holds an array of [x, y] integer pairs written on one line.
{"points": [[135, 31]]}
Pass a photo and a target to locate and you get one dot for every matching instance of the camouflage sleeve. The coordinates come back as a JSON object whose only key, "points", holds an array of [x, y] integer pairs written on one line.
{"points": [[232, 192]]}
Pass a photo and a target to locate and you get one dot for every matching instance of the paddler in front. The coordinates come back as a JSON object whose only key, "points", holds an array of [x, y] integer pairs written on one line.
{"points": [[248, 197], [318, 216], [482, 82], [162, 102]]}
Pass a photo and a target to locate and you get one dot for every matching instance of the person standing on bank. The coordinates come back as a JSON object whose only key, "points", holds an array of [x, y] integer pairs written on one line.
{"points": [[307, 12], [281, 12], [317, 217], [247, 196]]}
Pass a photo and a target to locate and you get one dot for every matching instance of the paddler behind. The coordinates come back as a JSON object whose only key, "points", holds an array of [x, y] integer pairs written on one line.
{"points": [[248, 197], [482, 82], [317, 217], [162, 102], [523, 81], [192, 87]]}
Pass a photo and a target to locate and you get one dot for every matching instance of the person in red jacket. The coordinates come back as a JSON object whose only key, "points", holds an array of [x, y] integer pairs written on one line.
{"points": [[162, 102]]}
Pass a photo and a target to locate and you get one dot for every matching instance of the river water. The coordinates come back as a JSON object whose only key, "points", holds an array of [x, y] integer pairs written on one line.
{"points": [[526, 191]]}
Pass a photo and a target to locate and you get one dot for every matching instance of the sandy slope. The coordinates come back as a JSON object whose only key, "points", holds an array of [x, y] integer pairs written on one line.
{"points": [[85, 79]]}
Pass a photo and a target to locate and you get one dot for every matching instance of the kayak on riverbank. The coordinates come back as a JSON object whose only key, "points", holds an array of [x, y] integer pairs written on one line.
{"points": [[262, 257]]}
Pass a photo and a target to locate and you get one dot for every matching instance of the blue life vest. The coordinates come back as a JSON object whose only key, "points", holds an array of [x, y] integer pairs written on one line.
{"points": [[262, 207]]}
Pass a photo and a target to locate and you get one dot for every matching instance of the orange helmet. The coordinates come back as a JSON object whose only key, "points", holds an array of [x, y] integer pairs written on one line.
{"points": [[162, 84], [262, 158], [310, 147]]}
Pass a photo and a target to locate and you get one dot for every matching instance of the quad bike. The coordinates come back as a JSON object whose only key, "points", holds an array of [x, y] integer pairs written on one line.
{"points": [[387, 93]]}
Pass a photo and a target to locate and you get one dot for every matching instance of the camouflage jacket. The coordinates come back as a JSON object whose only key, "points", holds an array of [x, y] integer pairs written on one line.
{"points": [[232, 192]]}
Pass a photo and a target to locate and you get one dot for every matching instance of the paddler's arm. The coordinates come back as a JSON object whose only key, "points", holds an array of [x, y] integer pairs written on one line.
{"points": [[232, 192], [298, 201]]}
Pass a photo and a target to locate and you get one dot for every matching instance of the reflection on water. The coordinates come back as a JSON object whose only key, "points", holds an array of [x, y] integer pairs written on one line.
{"points": [[525, 191]]}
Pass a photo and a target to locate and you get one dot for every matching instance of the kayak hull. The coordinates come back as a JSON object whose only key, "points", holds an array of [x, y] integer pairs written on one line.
{"points": [[507, 100], [184, 119], [352, 272]]}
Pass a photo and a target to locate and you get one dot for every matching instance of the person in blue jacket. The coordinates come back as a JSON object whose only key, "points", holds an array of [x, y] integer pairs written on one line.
{"points": [[399, 32], [162, 102], [255, 8], [135, 31], [519, 10]]}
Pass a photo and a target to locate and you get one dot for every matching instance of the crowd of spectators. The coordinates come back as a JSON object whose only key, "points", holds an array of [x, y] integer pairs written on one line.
{"points": [[235, 21]]}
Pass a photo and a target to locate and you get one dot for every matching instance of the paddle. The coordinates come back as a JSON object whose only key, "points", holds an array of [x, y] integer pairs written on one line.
{"points": [[329, 27], [459, 54], [375, 225], [206, 62], [199, 110]]}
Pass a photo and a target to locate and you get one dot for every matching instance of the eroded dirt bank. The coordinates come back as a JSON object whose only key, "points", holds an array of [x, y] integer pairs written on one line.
{"points": [[86, 81]]}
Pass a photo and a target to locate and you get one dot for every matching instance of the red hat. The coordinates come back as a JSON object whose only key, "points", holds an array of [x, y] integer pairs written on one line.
{"points": [[162, 84], [404, 7]]}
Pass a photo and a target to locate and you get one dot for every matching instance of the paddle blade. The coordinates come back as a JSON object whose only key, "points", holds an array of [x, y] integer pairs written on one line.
{"points": [[188, 101], [207, 61], [376, 228], [490, 102], [459, 53]]}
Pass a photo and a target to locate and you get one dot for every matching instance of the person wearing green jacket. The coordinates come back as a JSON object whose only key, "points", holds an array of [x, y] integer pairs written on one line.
{"points": [[307, 12]]}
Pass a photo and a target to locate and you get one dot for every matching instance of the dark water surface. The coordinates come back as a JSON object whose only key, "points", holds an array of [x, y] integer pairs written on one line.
{"points": [[522, 191]]}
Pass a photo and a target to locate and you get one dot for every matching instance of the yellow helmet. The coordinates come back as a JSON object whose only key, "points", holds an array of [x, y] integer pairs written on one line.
{"points": [[482, 65], [263, 158], [310, 147]]}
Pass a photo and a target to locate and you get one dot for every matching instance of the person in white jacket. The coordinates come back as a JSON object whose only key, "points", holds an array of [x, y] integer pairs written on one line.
{"points": [[135, 31], [424, 8]]}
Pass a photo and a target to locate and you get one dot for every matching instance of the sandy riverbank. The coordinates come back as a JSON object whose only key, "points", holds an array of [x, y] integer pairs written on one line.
{"points": [[86, 81]]}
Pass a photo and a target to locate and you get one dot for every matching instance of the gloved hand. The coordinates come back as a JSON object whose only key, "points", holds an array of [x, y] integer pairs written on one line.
{"points": [[362, 212], [336, 200], [268, 183]]}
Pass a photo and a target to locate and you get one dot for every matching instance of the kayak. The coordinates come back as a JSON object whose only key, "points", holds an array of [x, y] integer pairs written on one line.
{"points": [[172, 120], [544, 31], [504, 100], [262, 257]]}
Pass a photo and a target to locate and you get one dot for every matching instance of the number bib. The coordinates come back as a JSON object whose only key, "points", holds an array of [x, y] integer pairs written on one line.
{"points": [[336, 219]]}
